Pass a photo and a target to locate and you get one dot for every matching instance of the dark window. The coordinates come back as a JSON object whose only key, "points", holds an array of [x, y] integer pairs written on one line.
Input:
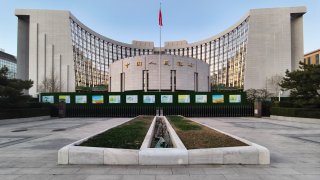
{"points": [[196, 82], [122, 82], [317, 58], [309, 60], [110, 85], [173, 80]]}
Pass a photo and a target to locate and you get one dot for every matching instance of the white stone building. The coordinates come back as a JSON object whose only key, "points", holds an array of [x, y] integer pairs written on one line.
{"points": [[263, 43], [177, 73]]}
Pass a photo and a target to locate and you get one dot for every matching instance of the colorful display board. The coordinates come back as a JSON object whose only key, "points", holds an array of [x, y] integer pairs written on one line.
{"points": [[149, 99], [48, 99], [155, 98], [64, 98], [130, 99], [81, 99], [217, 99], [97, 99], [166, 99], [234, 98], [201, 98], [114, 99], [183, 98]]}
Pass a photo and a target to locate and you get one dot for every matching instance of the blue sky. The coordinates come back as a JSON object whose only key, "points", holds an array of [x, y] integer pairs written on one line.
{"points": [[127, 20]]}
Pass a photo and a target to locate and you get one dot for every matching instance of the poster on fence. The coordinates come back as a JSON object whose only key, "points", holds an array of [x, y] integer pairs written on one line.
{"points": [[64, 98], [114, 99], [97, 99], [217, 99], [183, 98], [234, 98], [149, 99], [166, 99], [130, 99], [81, 99], [48, 99], [201, 98]]}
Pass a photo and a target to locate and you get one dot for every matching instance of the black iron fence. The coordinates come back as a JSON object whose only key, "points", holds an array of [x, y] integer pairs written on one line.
{"points": [[210, 111], [131, 111], [108, 111]]}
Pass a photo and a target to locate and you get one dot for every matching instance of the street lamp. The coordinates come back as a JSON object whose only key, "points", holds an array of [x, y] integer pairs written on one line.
{"points": [[280, 92]]}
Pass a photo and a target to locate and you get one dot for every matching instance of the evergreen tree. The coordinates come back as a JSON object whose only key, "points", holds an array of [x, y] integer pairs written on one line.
{"points": [[11, 90], [304, 84]]}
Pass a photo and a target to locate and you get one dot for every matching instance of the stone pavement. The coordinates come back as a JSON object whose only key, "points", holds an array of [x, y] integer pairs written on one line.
{"points": [[28, 150]]}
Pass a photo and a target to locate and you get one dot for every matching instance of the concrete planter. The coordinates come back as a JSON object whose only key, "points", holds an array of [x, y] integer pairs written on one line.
{"points": [[178, 155], [73, 154], [230, 155], [163, 156], [251, 154]]}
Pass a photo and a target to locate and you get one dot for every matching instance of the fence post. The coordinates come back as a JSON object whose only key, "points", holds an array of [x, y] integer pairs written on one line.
{"points": [[62, 109], [257, 108]]}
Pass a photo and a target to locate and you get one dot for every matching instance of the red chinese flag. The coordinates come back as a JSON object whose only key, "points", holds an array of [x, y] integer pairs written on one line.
{"points": [[160, 18]]}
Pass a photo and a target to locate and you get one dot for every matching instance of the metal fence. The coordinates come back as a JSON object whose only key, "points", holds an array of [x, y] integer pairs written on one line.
{"points": [[108, 111], [210, 111], [131, 111]]}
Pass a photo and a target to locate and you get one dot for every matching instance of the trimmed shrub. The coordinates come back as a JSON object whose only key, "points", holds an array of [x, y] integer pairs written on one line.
{"points": [[296, 112], [23, 113]]}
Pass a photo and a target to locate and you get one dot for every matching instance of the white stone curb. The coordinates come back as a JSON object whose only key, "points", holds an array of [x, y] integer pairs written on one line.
{"points": [[251, 154], [163, 156], [73, 154]]}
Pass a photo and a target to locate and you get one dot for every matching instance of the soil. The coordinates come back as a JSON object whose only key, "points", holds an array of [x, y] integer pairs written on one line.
{"points": [[129, 135], [202, 136]]}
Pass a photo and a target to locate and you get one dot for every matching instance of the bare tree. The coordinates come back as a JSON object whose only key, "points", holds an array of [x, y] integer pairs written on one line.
{"points": [[50, 84], [257, 94], [274, 84]]}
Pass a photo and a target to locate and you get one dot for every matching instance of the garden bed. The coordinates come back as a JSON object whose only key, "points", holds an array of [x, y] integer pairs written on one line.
{"points": [[129, 135], [205, 146], [197, 136]]}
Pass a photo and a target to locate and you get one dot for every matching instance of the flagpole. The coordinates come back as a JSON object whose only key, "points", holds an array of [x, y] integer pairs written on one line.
{"points": [[160, 25]]}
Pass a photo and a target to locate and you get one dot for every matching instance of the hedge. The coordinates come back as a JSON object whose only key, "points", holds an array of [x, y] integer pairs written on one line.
{"points": [[296, 112], [23, 112]]}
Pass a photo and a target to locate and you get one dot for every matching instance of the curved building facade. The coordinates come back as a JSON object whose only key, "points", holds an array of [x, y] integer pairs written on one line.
{"points": [[263, 43], [9, 61], [177, 73]]}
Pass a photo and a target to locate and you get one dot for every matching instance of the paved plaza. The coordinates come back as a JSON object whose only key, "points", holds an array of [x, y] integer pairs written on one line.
{"points": [[28, 150]]}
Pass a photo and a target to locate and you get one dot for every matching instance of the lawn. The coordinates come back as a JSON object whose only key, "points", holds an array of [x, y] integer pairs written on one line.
{"points": [[129, 135], [197, 136]]}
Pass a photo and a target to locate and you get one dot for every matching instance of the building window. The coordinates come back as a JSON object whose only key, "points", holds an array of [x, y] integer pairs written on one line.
{"points": [[309, 60], [196, 82], [122, 82], [145, 83], [317, 58], [173, 80]]}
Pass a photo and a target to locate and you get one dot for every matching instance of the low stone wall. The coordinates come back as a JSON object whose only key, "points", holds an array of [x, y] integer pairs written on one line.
{"points": [[178, 155]]}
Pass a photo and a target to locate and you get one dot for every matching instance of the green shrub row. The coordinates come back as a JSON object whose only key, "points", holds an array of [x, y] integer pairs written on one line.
{"points": [[296, 112], [23, 113]]}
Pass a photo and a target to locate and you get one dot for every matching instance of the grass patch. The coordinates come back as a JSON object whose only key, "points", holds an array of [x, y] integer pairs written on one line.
{"points": [[197, 136], [129, 135]]}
